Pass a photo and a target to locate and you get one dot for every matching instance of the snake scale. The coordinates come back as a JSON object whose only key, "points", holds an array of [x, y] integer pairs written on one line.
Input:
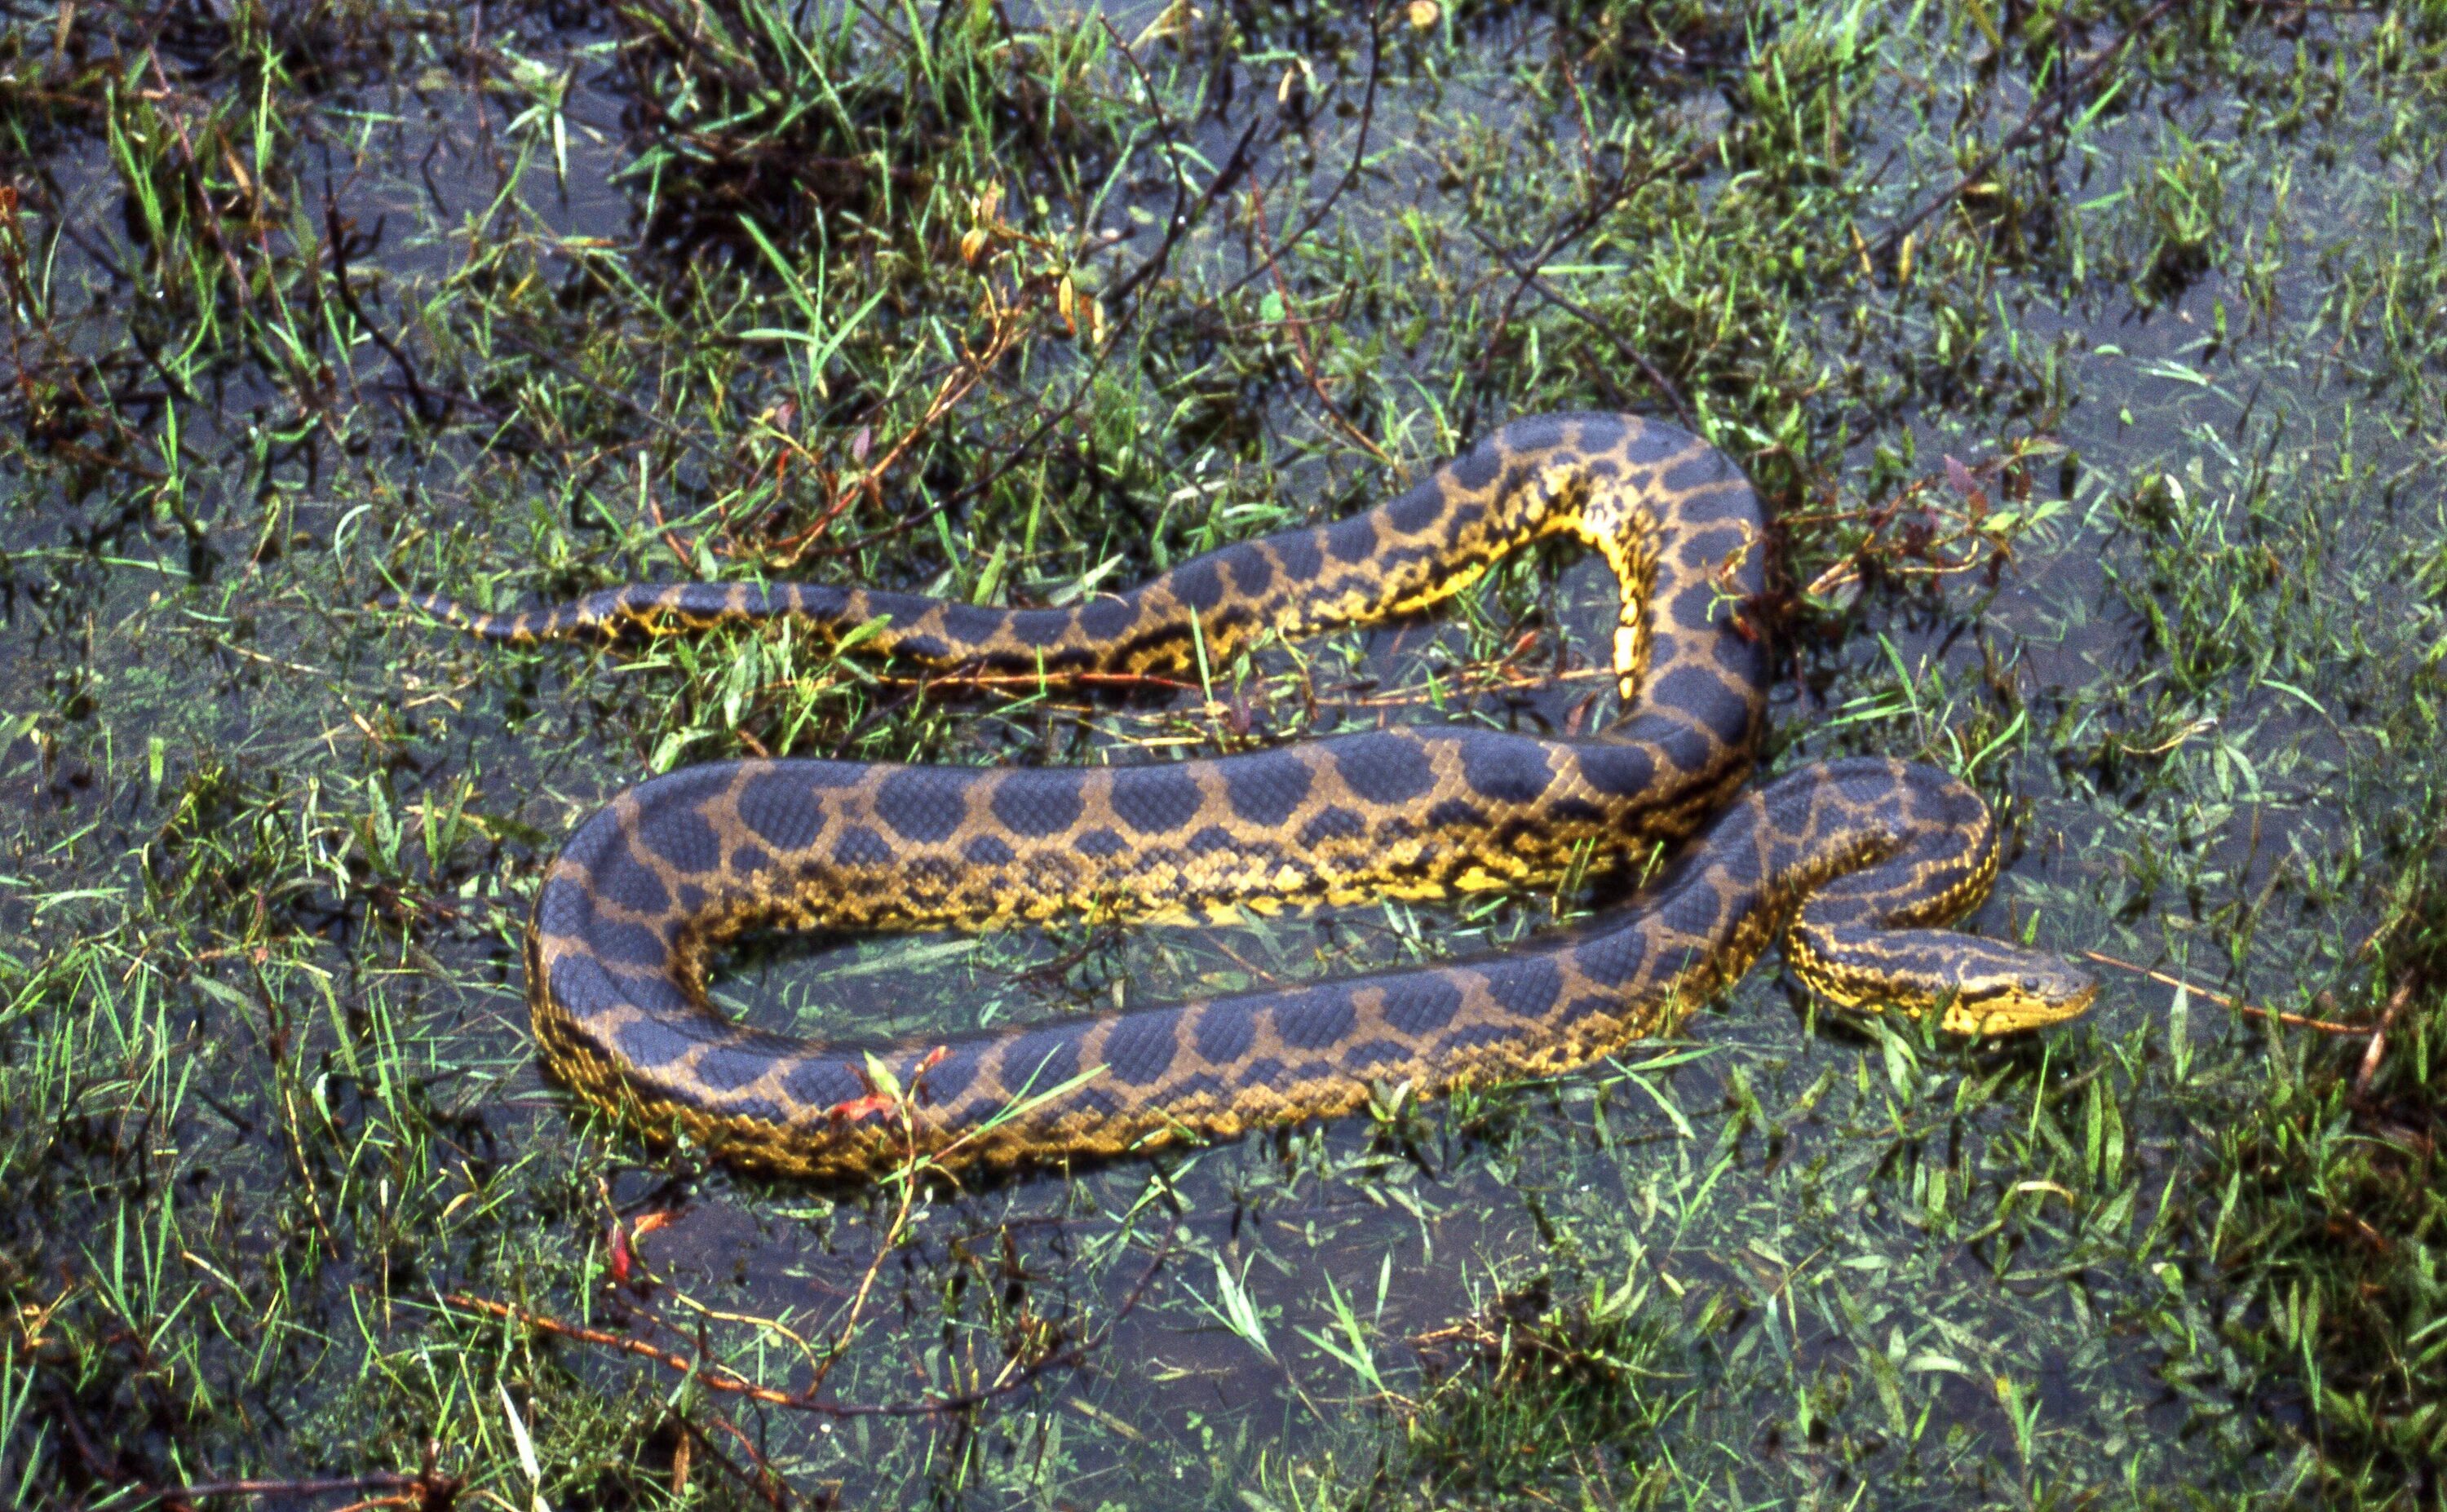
{"points": [[1855, 865]]}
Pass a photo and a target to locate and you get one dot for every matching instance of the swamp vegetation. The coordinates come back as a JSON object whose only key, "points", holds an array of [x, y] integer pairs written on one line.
{"points": [[2091, 355]]}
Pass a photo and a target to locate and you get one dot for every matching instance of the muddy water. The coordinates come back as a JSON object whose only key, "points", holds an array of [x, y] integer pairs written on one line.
{"points": [[1408, 1227]]}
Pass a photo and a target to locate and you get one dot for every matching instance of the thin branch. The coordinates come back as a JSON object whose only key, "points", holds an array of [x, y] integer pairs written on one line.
{"points": [[2297, 1020], [1597, 323], [2376, 1050], [2044, 113], [1184, 215], [1351, 172], [1293, 323], [425, 402], [715, 1377]]}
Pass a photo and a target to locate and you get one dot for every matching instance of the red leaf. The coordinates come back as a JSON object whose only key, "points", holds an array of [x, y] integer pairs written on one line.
{"points": [[859, 1108]]}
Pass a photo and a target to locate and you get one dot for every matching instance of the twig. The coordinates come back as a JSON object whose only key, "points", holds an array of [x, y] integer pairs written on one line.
{"points": [[2034, 121], [1184, 215], [714, 1377], [966, 375], [1597, 323], [2297, 1020], [1572, 228], [429, 1489], [1358, 154], [2378, 1047], [348, 297], [1293, 323]]}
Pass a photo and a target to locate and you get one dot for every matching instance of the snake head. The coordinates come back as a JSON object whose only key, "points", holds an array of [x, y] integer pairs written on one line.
{"points": [[2005, 990]]}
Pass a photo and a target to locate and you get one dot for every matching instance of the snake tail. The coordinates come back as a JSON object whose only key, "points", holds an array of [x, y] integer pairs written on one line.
{"points": [[1671, 515]]}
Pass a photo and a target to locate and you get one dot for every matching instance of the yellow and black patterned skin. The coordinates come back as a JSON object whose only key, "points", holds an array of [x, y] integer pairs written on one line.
{"points": [[1855, 865]]}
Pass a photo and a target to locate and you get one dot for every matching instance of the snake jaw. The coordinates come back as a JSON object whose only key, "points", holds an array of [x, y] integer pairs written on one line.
{"points": [[2049, 993]]}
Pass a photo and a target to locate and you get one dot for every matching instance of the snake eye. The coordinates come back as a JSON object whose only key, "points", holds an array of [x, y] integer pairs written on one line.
{"points": [[2030, 984]]}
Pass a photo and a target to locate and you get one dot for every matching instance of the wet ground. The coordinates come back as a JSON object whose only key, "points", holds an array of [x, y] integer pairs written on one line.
{"points": [[310, 303]]}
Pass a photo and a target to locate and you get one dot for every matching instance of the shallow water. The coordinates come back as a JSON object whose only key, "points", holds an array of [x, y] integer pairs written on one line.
{"points": [[1793, 1189]]}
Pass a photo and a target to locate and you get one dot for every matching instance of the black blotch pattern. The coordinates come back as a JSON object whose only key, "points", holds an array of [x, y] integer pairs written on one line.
{"points": [[1099, 843], [1036, 803], [1252, 574], [1266, 789], [1611, 959], [1093, 1102], [987, 850], [729, 1067], [1198, 584], [1375, 1055], [626, 882], [1703, 549], [648, 1043], [924, 647], [1039, 627], [1315, 1018], [823, 1084], [1224, 1031], [1104, 618], [747, 860], [816, 601], [1301, 556], [582, 988], [1383, 769], [973, 623], [1139, 1049], [1040, 1059], [1353, 540], [1191, 1093], [1651, 443], [943, 1083], [781, 808], [656, 994], [1212, 839], [1456, 813], [923, 803], [1416, 509], [1525, 987], [1696, 911], [862, 846], [1476, 468], [777, 804], [1695, 607], [1470, 1037], [1505, 771], [1617, 771], [1698, 693], [636, 945], [681, 837], [1696, 470], [700, 598], [1419, 1005], [1155, 801], [1582, 1008], [1333, 823]]}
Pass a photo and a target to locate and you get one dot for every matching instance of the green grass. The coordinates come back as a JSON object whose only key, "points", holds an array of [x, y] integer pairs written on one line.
{"points": [[2093, 358]]}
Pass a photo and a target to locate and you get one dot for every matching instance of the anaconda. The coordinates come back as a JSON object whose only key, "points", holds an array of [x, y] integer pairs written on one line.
{"points": [[1854, 865]]}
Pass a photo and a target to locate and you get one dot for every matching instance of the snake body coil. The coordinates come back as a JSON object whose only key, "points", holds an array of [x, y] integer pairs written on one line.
{"points": [[1856, 864]]}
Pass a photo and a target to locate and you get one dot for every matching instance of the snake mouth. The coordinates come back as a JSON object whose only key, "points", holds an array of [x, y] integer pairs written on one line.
{"points": [[2032, 1001]]}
